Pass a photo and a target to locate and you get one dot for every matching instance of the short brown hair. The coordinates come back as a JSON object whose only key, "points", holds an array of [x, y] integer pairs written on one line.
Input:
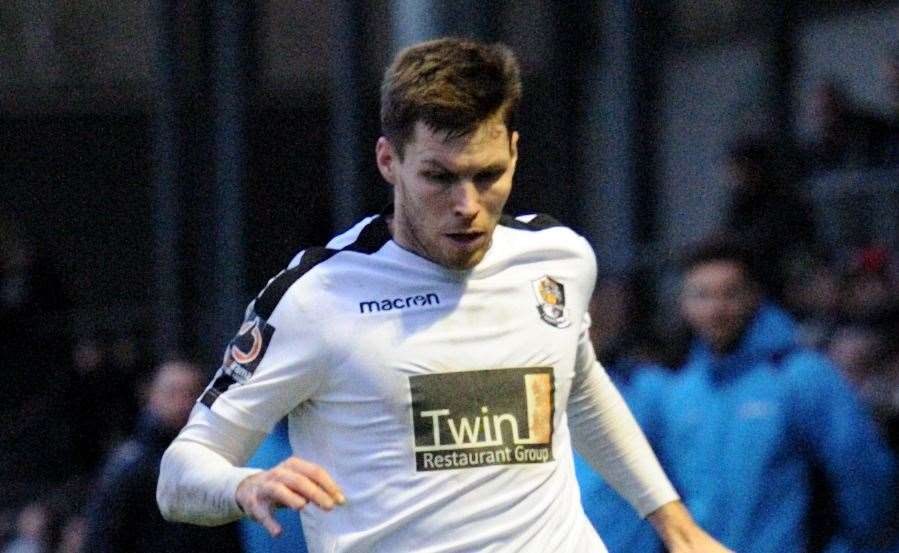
{"points": [[449, 84]]}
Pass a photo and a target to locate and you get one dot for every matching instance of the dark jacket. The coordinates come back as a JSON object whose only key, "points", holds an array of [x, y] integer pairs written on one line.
{"points": [[123, 516]]}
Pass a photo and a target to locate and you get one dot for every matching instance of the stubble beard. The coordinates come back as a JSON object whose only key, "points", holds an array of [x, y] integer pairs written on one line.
{"points": [[433, 252]]}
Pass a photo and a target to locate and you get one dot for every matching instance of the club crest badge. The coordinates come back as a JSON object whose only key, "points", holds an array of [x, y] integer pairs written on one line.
{"points": [[550, 295], [245, 351]]}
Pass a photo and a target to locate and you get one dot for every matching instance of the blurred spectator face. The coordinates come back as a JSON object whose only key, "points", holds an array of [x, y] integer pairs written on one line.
{"points": [[89, 356], [610, 309], [717, 302], [868, 287], [865, 296], [812, 291], [858, 352], [124, 351], [33, 522], [72, 536], [173, 392]]}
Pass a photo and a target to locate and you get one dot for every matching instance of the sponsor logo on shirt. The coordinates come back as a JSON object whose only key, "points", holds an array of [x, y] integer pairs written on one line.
{"points": [[389, 304], [481, 418], [246, 350], [550, 295]]}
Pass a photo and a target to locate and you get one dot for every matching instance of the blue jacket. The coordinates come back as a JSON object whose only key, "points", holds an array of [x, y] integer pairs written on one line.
{"points": [[619, 526], [256, 539], [738, 435]]}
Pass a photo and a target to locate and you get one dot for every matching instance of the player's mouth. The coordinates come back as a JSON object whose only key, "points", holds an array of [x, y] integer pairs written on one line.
{"points": [[466, 239]]}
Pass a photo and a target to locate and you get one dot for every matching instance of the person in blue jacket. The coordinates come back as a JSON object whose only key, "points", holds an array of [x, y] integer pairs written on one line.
{"points": [[751, 414]]}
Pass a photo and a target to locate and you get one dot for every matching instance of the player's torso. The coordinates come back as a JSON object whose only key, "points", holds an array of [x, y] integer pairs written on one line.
{"points": [[442, 381]]}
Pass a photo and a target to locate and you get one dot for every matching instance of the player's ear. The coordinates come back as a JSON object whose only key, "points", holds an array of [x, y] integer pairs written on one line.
{"points": [[387, 159], [513, 146]]}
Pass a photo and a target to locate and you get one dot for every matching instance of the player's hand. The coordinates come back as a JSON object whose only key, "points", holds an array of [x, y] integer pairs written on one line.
{"points": [[292, 484], [680, 533]]}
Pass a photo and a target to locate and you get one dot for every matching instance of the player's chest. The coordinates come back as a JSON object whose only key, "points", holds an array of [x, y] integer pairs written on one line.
{"points": [[389, 333], [454, 326]]}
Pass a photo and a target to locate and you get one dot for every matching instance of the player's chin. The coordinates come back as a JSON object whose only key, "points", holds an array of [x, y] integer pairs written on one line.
{"points": [[463, 261]]}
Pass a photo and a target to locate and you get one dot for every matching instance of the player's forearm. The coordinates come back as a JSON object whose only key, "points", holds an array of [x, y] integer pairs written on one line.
{"points": [[605, 432], [197, 485], [201, 470], [680, 533]]}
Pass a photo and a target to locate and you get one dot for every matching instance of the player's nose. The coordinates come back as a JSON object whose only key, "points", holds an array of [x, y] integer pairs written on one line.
{"points": [[466, 199]]}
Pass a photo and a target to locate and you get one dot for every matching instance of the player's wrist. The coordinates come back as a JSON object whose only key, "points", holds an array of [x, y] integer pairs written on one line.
{"points": [[672, 522], [243, 489]]}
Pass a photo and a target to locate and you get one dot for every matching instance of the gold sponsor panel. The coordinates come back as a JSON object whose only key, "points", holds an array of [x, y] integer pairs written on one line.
{"points": [[538, 388]]}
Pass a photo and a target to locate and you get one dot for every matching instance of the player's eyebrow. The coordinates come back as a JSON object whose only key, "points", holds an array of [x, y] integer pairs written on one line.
{"points": [[435, 164], [496, 167]]}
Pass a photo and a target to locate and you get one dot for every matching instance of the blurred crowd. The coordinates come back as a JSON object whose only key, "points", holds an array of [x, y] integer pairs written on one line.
{"points": [[762, 361], [87, 414], [850, 133]]}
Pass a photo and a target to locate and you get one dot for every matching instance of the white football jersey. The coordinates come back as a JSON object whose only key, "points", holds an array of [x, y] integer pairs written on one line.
{"points": [[436, 398]]}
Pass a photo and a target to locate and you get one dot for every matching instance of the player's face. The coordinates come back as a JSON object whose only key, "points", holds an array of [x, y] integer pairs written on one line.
{"points": [[718, 301], [449, 193]]}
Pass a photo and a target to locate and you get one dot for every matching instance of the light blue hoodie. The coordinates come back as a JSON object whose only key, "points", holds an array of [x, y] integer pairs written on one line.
{"points": [[738, 434]]}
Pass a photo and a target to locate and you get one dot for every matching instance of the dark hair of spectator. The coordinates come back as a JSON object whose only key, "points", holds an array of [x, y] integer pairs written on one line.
{"points": [[721, 247], [450, 85]]}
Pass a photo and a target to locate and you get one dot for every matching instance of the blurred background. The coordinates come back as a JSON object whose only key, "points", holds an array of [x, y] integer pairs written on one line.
{"points": [[161, 160]]}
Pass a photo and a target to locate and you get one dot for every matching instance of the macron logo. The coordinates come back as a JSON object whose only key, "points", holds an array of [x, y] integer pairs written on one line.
{"points": [[376, 306]]}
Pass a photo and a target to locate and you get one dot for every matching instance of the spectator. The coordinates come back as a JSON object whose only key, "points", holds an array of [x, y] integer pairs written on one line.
{"points": [[743, 424], [37, 380], [869, 292], [869, 357], [123, 516], [622, 329], [768, 213], [107, 374], [849, 133], [811, 294], [32, 530], [72, 536]]}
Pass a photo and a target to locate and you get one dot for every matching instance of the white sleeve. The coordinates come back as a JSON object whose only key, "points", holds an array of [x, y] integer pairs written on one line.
{"points": [[604, 431], [271, 366], [201, 469]]}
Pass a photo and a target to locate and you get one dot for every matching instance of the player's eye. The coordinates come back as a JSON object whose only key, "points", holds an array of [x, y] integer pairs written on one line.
{"points": [[440, 177], [488, 177]]}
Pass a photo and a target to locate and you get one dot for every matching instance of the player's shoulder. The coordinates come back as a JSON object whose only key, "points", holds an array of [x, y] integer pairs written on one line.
{"points": [[531, 222], [544, 232], [366, 237], [539, 226]]}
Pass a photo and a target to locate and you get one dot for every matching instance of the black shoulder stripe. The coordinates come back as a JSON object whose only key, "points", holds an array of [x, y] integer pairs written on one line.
{"points": [[269, 298], [540, 222], [372, 237], [219, 386]]}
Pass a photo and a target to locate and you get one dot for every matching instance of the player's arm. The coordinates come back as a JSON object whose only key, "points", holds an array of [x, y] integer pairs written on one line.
{"points": [[276, 361], [680, 533], [202, 479], [607, 435]]}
